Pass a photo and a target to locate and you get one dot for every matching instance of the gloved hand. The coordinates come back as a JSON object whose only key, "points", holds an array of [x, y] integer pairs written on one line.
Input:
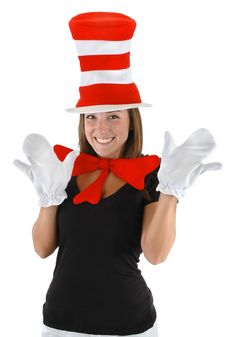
{"points": [[49, 175], [181, 165]]}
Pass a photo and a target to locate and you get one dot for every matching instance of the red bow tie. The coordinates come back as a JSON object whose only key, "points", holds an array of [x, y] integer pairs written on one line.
{"points": [[131, 170]]}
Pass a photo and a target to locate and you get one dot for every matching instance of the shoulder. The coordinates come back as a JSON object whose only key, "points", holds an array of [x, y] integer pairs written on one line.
{"points": [[151, 182], [151, 178]]}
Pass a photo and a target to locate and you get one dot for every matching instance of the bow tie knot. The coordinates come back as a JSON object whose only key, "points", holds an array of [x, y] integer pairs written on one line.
{"points": [[104, 164]]}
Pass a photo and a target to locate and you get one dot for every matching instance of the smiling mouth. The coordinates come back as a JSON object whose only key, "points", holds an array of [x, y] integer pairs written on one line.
{"points": [[104, 140]]}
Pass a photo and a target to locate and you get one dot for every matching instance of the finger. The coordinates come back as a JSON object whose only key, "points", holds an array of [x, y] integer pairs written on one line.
{"points": [[201, 136], [36, 146], [200, 142], [169, 144], [25, 168]]}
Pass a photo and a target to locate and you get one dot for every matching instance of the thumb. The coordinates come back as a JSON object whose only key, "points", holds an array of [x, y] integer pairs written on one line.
{"points": [[169, 144], [68, 162], [209, 167], [25, 168]]}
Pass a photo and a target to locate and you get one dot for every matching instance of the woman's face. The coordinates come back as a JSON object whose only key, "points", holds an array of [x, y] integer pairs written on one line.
{"points": [[107, 132]]}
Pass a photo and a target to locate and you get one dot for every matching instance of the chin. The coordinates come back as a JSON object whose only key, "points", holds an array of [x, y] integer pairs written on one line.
{"points": [[108, 154]]}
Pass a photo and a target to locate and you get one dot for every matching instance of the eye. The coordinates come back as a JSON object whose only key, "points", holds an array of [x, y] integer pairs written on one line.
{"points": [[90, 116], [113, 116]]}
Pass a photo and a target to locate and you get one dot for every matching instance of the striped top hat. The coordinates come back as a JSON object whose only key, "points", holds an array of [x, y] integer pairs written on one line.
{"points": [[103, 42]]}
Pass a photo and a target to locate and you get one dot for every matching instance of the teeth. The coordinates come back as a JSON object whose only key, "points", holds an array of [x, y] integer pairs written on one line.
{"points": [[104, 140]]}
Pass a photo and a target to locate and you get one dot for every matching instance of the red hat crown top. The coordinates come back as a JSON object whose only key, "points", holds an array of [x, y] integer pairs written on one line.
{"points": [[102, 26]]}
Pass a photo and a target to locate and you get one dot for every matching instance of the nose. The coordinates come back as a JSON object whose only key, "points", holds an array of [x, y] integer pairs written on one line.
{"points": [[102, 125]]}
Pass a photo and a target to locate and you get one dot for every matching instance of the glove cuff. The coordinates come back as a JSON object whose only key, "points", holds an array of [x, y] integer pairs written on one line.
{"points": [[50, 200], [178, 192]]}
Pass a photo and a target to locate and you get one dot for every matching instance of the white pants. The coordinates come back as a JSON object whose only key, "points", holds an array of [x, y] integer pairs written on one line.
{"points": [[51, 332]]}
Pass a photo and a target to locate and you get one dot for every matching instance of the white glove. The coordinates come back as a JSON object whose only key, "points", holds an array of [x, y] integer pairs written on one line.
{"points": [[181, 165], [49, 175]]}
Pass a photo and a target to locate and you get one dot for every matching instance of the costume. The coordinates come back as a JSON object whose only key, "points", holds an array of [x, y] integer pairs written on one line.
{"points": [[97, 287]]}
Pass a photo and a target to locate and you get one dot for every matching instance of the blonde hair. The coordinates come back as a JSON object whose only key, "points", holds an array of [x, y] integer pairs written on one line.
{"points": [[134, 143]]}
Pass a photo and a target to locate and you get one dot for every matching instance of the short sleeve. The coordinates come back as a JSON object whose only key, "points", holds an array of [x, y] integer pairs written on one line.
{"points": [[151, 182]]}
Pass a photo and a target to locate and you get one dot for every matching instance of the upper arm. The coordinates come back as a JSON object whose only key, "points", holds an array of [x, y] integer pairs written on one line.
{"points": [[150, 206], [148, 213]]}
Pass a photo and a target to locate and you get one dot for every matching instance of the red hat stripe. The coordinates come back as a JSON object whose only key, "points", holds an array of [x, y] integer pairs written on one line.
{"points": [[92, 47], [101, 62], [99, 94]]}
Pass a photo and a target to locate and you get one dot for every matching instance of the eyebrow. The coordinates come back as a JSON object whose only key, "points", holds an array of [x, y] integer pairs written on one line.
{"points": [[107, 112]]}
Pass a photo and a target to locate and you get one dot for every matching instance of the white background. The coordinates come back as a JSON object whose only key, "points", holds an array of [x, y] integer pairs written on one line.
{"points": [[183, 62]]}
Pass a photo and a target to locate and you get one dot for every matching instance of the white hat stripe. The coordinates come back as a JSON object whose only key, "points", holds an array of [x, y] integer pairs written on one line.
{"points": [[106, 76], [101, 47]]}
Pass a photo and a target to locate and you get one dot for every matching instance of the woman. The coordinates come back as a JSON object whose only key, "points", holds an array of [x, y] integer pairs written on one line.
{"points": [[107, 250], [105, 206], [97, 286]]}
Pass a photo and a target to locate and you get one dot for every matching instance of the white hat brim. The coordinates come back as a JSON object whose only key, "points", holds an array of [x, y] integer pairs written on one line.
{"points": [[107, 107]]}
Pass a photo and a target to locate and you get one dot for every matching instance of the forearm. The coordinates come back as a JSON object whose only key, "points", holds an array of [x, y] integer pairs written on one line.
{"points": [[44, 232], [161, 231]]}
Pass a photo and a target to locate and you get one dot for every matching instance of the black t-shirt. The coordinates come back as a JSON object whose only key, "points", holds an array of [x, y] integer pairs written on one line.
{"points": [[97, 287]]}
